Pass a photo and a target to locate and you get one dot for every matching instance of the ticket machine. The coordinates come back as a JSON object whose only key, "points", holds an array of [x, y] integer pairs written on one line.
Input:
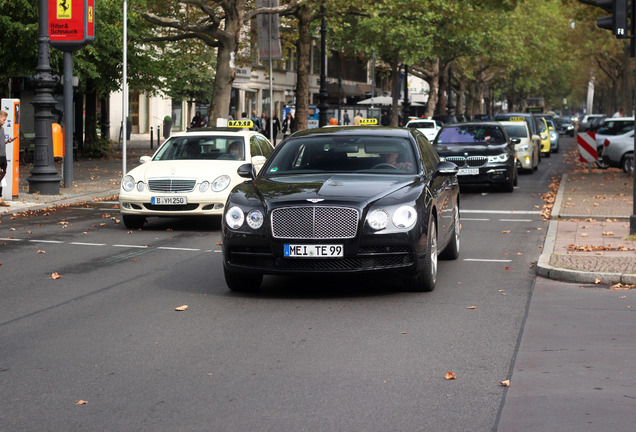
{"points": [[12, 129]]}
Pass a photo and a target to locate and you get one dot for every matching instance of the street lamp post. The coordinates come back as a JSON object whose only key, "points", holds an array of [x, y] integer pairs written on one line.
{"points": [[323, 105], [44, 178]]}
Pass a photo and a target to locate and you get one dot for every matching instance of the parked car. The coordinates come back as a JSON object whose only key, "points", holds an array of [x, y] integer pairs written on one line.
{"points": [[527, 149], [483, 151], [590, 122], [343, 200], [618, 151], [191, 174], [428, 127], [612, 127]]}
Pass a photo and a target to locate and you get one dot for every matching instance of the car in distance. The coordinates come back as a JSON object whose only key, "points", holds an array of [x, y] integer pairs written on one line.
{"points": [[564, 126], [483, 151], [527, 149], [428, 127], [191, 174], [545, 137], [343, 200]]}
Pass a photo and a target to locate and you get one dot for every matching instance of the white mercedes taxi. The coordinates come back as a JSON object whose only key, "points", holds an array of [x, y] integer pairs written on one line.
{"points": [[191, 174]]}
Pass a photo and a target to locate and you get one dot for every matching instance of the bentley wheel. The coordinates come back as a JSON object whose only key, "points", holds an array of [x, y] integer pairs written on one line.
{"points": [[242, 282], [451, 252], [427, 277]]}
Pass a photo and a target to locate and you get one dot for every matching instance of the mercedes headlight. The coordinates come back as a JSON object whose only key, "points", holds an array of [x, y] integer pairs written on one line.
{"points": [[221, 183], [141, 186], [498, 158], [378, 219], [128, 183], [523, 147], [404, 217], [234, 217], [544, 137], [255, 219]]}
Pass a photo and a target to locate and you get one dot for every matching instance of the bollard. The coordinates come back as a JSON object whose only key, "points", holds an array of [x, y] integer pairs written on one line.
{"points": [[151, 139], [158, 135]]}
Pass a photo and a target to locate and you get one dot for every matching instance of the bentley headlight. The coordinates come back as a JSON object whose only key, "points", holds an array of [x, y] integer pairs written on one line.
{"points": [[404, 217], [378, 219], [221, 183], [234, 217], [128, 183], [204, 186], [498, 158], [255, 219]]}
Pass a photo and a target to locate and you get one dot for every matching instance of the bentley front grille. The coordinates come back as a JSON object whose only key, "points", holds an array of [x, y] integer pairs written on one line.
{"points": [[314, 222]]}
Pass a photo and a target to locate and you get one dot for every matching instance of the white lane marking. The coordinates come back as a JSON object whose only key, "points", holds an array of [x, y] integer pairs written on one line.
{"points": [[10, 239], [87, 244], [474, 219], [500, 211], [47, 241], [177, 248], [130, 246], [485, 260], [515, 220]]}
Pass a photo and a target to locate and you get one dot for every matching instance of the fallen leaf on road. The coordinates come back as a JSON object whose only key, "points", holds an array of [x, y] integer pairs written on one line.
{"points": [[55, 276], [471, 307], [620, 286], [181, 308], [451, 376], [81, 402], [608, 233], [584, 234], [505, 383], [219, 243], [506, 232], [597, 281], [41, 251]]}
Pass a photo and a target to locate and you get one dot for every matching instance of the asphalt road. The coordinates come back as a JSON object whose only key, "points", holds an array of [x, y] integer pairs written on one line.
{"points": [[332, 354]]}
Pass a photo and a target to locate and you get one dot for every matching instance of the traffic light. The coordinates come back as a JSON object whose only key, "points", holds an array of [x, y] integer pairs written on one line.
{"points": [[617, 23]]}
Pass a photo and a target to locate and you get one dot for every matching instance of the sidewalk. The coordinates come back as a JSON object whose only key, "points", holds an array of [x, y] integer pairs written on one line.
{"points": [[588, 238]]}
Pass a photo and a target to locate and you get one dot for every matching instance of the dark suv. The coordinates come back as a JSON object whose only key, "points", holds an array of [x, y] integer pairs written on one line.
{"points": [[483, 151]]}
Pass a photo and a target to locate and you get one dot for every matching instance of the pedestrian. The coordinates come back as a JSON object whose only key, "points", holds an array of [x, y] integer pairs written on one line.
{"points": [[265, 124], [3, 154], [257, 121], [385, 120], [620, 112], [197, 120], [345, 118], [288, 125], [276, 127], [357, 118]]}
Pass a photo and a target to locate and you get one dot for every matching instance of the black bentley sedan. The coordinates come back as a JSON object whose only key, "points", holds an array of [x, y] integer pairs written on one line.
{"points": [[339, 200], [483, 151]]}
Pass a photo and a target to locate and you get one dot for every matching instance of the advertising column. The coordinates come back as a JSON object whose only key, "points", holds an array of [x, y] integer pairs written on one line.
{"points": [[12, 129]]}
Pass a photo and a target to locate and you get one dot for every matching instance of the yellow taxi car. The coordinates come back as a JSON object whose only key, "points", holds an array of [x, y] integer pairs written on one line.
{"points": [[544, 134]]}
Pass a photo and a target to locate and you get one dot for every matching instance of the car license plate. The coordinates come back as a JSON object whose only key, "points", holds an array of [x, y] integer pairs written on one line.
{"points": [[468, 171], [176, 200], [314, 251]]}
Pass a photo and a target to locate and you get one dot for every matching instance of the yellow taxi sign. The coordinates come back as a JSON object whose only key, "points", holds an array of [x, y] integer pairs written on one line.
{"points": [[240, 123], [517, 119], [368, 121]]}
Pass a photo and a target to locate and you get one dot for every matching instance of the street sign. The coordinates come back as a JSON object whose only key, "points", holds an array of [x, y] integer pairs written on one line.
{"points": [[587, 146]]}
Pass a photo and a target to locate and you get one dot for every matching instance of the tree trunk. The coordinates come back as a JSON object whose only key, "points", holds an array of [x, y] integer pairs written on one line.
{"points": [[442, 101], [304, 16], [433, 84], [90, 119], [223, 80]]}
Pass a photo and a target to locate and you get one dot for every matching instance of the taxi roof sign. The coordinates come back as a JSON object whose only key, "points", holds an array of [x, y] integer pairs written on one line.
{"points": [[240, 123], [368, 121], [517, 119]]}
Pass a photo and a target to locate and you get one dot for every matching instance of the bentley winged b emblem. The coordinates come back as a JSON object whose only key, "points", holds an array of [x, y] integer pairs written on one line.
{"points": [[315, 200]]}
